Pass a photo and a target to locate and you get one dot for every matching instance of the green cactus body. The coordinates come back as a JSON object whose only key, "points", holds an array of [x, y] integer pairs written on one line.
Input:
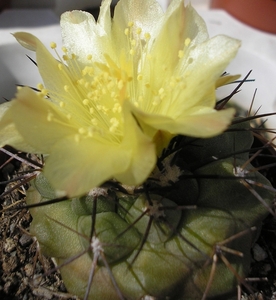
{"points": [[152, 242]]}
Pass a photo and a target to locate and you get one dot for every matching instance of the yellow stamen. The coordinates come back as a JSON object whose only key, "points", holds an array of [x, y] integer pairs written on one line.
{"points": [[53, 45]]}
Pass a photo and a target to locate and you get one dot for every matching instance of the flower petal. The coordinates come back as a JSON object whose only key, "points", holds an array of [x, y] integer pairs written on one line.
{"points": [[38, 121], [195, 27], [61, 83], [26, 40], [82, 36], [201, 69], [164, 55], [196, 122], [143, 151], [144, 14], [141, 12], [205, 123], [9, 133], [76, 167], [141, 89], [184, 28], [104, 19]]}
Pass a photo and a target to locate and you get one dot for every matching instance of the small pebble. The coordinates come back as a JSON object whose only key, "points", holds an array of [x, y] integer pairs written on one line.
{"points": [[12, 227], [259, 253], [25, 240], [10, 285], [9, 245], [29, 269], [10, 264], [267, 268]]}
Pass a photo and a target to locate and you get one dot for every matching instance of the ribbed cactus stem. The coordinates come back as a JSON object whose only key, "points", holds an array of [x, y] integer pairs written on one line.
{"points": [[185, 234]]}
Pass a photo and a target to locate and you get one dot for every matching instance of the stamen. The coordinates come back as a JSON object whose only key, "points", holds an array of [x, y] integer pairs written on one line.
{"points": [[81, 130], [117, 108], [187, 42], [139, 77], [61, 104], [120, 84], [180, 53], [161, 93], [130, 24], [85, 102], [115, 123], [49, 117], [66, 88], [53, 45], [40, 86], [138, 31], [147, 36], [126, 31], [43, 92]]}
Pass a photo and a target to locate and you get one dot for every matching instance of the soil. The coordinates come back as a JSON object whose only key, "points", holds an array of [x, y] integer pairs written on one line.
{"points": [[23, 267]]}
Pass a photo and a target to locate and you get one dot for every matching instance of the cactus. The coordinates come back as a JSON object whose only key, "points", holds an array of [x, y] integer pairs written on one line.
{"points": [[186, 233]]}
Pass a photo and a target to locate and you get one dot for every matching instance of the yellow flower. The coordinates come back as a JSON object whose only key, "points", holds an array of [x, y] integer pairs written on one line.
{"points": [[171, 65], [121, 90]]}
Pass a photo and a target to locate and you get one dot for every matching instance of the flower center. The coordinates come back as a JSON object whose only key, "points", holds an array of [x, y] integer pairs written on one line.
{"points": [[93, 93], [91, 98]]}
